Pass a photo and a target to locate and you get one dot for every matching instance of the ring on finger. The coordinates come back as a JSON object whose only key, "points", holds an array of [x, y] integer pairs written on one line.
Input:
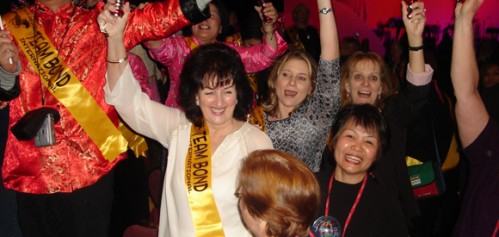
{"points": [[103, 27]]}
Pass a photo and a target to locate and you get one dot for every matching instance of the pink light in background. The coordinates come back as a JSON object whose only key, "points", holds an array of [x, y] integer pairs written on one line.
{"points": [[439, 12]]}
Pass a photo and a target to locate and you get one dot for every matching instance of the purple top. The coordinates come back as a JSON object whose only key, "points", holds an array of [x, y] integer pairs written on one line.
{"points": [[174, 50], [480, 210]]}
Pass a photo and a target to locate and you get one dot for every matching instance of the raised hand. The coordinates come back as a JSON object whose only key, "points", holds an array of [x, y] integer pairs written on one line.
{"points": [[467, 9], [268, 14], [414, 18], [9, 56], [110, 25]]}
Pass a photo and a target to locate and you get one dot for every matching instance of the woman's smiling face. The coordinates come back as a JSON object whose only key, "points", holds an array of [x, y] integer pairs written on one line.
{"points": [[293, 83], [364, 84], [208, 30], [355, 150], [217, 103]]}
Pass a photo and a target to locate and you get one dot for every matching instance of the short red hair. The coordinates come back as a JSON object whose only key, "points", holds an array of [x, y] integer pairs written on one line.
{"points": [[280, 189]]}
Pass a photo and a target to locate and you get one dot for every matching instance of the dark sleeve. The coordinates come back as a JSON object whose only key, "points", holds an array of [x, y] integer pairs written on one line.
{"points": [[6, 95], [392, 221], [408, 104]]}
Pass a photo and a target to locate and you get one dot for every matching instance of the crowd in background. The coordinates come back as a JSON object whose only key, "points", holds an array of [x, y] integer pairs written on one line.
{"points": [[412, 90]]}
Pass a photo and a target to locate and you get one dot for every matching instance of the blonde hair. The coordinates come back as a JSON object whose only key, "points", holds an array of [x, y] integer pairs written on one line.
{"points": [[352, 61], [271, 105]]}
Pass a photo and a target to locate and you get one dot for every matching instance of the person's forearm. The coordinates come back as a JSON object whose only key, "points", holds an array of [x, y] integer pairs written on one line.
{"points": [[328, 31], [464, 70], [414, 19], [416, 58], [471, 114], [161, 19], [116, 59]]}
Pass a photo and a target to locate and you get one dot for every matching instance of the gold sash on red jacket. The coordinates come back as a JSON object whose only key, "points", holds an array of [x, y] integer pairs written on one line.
{"points": [[61, 82], [198, 183]]}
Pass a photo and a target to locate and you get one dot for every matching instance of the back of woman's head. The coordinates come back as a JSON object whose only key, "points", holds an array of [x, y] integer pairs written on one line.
{"points": [[364, 115], [348, 67], [213, 65], [271, 104], [280, 189]]}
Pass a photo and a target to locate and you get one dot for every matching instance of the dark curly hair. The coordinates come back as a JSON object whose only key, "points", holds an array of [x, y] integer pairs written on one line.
{"points": [[213, 64]]}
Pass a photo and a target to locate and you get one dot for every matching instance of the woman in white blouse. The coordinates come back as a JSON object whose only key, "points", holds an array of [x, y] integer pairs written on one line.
{"points": [[206, 143]]}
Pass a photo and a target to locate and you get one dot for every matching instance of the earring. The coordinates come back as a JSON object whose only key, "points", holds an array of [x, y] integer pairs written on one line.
{"points": [[197, 102]]}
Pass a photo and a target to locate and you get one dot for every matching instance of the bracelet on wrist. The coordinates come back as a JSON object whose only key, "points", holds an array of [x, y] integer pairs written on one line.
{"points": [[416, 48], [325, 10], [121, 60]]}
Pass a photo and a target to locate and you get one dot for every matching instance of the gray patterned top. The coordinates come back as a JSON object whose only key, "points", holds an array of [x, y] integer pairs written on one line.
{"points": [[304, 133]]}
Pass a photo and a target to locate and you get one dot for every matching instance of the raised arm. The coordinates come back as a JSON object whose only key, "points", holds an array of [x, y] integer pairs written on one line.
{"points": [[414, 21], [114, 28], [159, 19], [471, 114], [328, 31], [268, 14], [122, 91], [9, 65]]}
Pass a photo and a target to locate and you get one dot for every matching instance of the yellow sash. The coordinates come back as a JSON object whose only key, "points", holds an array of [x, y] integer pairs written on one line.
{"points": [[256, 117], [190, 43], [198, 177], [65, 86], [136, 143], [253, 81], [235, 38], [452, 158]]}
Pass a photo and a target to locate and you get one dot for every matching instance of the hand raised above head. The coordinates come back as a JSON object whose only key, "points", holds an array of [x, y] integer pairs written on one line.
{"points": [[467, 8], [414, 18], [110, 24], [268, 13]]}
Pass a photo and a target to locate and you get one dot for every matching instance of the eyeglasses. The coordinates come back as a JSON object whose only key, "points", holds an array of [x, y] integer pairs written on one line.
{"points": [[237, 194]]}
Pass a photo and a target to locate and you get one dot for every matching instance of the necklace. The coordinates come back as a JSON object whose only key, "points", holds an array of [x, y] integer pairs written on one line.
{"points": [[329, 226]]}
